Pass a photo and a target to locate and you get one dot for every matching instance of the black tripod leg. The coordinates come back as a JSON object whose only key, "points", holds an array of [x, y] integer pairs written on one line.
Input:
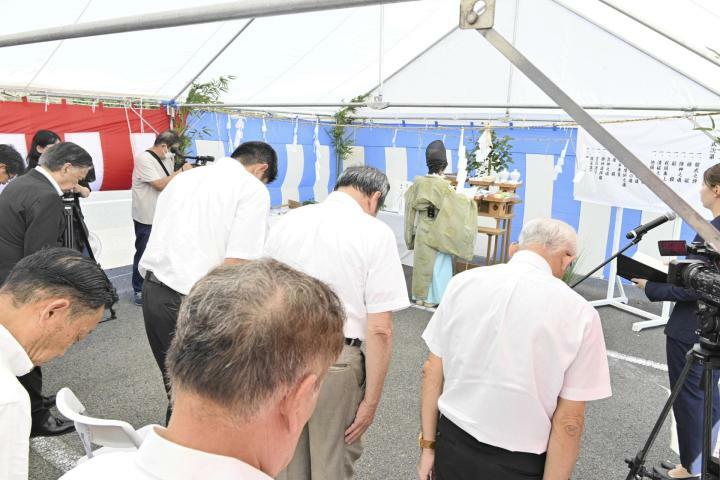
{"points": [[708, 418], [637, 464]]}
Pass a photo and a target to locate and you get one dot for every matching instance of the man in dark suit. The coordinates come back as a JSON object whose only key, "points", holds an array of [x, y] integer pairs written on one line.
{"points": [[31, 209]]}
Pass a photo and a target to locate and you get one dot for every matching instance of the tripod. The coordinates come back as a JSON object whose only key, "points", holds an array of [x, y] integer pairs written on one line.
{"points": [[707, 352], [71, 211]]}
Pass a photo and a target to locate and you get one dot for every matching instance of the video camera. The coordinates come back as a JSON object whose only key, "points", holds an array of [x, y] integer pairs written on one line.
{"points": [[200, 160], [703, 276]]}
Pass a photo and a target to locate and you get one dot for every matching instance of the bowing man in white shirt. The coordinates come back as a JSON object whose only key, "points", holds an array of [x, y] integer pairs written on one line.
{"points": [[50, 300], [252, 347], [340, 242], [514, 355], [205, 217]]}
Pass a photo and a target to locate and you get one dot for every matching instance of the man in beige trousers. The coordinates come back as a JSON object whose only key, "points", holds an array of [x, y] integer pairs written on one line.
{"points": [[340, 242]]}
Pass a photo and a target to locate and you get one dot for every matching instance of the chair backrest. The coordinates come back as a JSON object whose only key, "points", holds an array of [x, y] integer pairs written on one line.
{"points": [[108, 433]]}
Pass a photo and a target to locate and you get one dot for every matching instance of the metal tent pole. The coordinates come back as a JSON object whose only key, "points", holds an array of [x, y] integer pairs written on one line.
{"points": [[483, 23], [212, 60], [511, 67], [187, 16], [657, 30]]}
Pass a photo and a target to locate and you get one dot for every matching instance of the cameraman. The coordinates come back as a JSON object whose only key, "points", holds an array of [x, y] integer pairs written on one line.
{"points": [[681, 336], [206, 217], [153, 171]]}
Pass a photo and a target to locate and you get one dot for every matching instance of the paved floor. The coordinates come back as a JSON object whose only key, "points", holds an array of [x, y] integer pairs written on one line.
{"points": [[114, 374]]}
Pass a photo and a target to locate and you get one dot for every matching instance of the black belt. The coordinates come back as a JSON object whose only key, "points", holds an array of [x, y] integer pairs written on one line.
{"points": [[150, 277], [353, 342]]}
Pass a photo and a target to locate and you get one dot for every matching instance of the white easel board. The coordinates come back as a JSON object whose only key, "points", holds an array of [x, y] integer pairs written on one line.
{"points": [[672, 149]]}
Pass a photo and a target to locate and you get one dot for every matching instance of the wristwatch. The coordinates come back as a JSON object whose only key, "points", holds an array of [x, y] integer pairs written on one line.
{"points": [[430, 444]]}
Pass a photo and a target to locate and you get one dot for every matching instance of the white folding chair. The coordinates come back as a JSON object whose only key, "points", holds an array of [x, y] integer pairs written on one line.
{"points": [[111, 434]]}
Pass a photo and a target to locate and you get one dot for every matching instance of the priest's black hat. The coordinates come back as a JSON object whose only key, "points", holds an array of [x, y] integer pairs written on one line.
{"points": [[436, 152]]}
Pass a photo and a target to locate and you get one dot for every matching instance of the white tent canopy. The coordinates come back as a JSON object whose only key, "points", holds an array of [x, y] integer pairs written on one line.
{"points": [[332, 56], [592, 65]]}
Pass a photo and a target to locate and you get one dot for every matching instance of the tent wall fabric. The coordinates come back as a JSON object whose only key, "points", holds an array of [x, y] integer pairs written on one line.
{"points": [[296, 149], [106, 133], [400, 152], [307, 162]]}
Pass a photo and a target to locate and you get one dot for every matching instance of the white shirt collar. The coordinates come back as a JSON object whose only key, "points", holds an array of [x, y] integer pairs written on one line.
{"points": [[50, 179], [14, 354], [161, 458], [533, 259], [342, 198]]}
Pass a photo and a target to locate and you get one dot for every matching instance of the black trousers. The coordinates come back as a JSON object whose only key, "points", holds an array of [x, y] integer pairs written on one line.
{"points": [[160, 309], [458, 456], [33, 384], [142, 235], [688, 406]]}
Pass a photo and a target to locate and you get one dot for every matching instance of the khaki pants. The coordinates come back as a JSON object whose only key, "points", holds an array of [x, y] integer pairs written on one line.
{"points": [[322, 453]]}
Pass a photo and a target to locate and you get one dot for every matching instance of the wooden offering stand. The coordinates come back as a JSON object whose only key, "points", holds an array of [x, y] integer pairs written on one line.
{"points": [[502, 209]]}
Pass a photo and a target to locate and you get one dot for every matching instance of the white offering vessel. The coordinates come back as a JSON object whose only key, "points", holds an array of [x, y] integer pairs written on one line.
{"points": [[515, 176], [503, 176]]}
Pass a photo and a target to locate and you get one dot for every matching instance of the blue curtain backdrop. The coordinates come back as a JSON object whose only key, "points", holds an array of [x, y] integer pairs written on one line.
{"points": [[414, 138]]}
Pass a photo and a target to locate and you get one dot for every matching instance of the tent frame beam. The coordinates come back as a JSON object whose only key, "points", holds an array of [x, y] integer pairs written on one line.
{"points": [[586, 121], [212, 60], [638, 48], [181, 17], [659, 31], [468, 106], [414, 59]]}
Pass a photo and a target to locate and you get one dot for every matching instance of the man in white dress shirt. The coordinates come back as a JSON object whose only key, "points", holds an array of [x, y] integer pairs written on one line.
{"points": [[340, 242], [514, 355], [252, 347], [50, 300], [205, 217]]}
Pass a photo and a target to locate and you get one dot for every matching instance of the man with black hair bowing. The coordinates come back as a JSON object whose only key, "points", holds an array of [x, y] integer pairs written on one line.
{"points": [[50, 300], [31, 209], [206, 217]]}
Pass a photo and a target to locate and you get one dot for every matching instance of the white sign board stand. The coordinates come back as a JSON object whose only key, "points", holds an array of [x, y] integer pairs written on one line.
{"points": [[674, 151], [614, 282]]}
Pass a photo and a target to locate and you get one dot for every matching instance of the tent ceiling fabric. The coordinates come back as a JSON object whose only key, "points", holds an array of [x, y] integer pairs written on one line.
{"points": [[333, 56], [590, 64]]}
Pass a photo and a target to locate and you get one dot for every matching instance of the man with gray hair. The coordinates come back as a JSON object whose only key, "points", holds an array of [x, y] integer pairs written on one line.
{"points": [[514, 355], [340, 242], [252, 346]]}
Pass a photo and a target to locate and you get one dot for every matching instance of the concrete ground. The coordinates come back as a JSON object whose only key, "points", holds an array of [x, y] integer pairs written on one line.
{"points": [[114, 375]]}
